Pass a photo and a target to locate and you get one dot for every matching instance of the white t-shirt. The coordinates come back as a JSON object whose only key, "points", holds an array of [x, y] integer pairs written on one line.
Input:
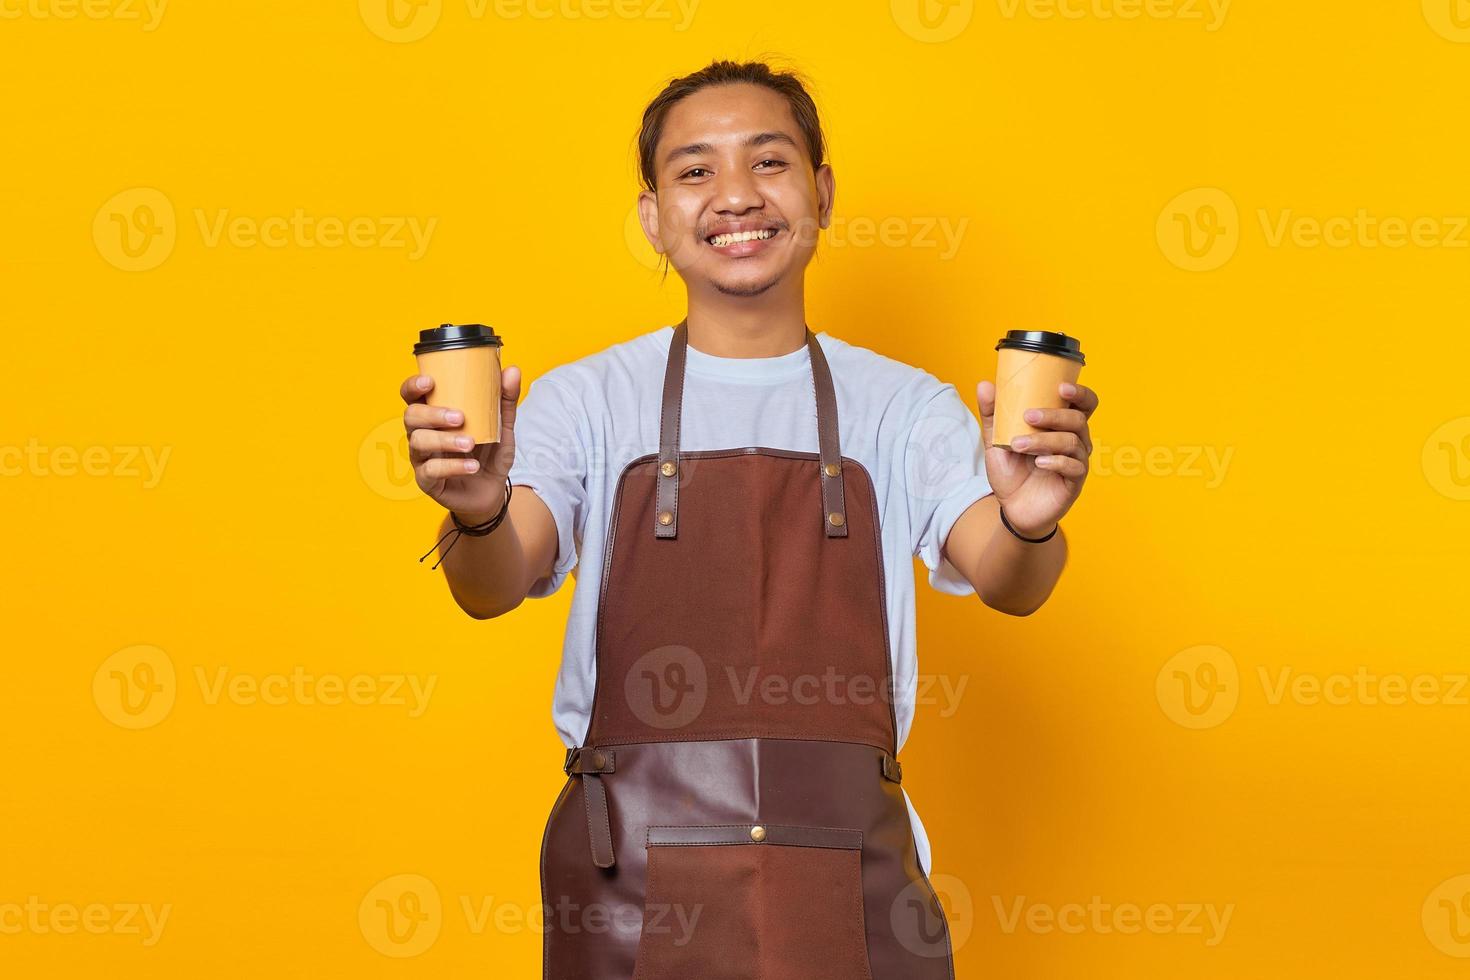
{"points": [[581, 423]]}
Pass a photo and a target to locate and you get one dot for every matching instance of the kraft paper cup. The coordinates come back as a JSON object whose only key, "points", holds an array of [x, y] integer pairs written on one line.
{"points": [[464, 361], [1030, 367]]}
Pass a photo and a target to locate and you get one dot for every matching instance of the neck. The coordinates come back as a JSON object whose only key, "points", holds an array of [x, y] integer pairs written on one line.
{"points": [[768, 325]]}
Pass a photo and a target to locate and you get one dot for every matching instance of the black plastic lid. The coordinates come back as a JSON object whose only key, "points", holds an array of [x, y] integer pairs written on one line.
{"points": [[1043, 342], [452, 336]]}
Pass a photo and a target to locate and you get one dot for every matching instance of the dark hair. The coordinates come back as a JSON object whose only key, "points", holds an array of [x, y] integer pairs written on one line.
{"points": [[785, 83]]}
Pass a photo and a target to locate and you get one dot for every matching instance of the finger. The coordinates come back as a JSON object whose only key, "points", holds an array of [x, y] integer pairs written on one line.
{"points": [[427, 442], [510, 395], [1068, 466], [421, 416], [444, 467], [415, 387], [985, 400], [1059, 419], [1080, 396], [1050, 444]]}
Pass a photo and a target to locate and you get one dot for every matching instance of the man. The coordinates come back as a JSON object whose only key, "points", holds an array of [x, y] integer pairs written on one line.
{"points": [[735, 687]]}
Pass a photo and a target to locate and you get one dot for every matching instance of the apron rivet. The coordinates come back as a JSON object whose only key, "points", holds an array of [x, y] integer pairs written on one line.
{"points": [[598, 760], [757, 833], [835, 518], [832, 469], [668, 469], [666, 518]]}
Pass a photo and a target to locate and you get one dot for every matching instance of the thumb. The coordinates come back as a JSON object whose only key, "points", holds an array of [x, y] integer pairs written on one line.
{"points": [[510, 395], [985, 401]]}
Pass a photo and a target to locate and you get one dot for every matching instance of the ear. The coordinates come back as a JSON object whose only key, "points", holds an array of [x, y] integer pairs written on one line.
{"points": [[826, 193], [648, 218]]}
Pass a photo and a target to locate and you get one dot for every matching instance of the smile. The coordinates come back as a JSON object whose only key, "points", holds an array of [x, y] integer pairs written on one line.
{"points": [[735, 238]]}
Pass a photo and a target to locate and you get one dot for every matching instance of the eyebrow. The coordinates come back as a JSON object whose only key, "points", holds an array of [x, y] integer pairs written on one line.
{"points": [[759, 139]]}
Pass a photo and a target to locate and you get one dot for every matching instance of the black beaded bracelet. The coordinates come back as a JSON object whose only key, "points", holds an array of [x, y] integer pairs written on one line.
{"points": [[1004, 520], [473, 530]]}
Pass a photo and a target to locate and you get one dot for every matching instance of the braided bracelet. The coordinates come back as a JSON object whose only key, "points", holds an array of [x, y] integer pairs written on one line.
{"points": [[1004, 520], [473, 530]]}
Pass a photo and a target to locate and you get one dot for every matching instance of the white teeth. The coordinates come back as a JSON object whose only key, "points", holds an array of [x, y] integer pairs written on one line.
{"points": [[720, 241]]}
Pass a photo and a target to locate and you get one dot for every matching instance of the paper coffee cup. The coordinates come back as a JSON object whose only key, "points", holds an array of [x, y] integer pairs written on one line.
{"points": [[464, 361], [1030, 367]]}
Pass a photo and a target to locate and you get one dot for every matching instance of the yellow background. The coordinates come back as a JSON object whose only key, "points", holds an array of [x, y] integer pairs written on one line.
{"points": [[279, 536]]}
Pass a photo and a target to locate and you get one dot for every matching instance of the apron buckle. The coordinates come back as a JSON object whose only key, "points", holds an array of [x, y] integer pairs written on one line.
{"points": [[591, 765]]}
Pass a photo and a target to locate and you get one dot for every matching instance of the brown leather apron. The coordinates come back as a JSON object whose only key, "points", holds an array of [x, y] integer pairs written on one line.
{"points": [[735, 813]]}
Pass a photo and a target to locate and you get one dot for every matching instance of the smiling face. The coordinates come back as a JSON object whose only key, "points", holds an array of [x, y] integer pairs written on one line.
{"points": [[738, 205]]}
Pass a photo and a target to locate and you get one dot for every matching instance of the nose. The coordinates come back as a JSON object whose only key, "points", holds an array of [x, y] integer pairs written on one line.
{"points": [[736, 191]]}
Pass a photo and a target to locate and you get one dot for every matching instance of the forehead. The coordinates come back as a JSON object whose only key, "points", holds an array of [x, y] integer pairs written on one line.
{"points": [[727, 114]]}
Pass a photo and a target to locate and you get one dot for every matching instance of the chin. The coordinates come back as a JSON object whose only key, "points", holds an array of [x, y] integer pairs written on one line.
{"points": [[751, 286]]}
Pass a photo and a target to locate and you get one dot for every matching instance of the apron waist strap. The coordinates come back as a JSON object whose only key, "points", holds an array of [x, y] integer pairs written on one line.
{"points": [[590, 765]]}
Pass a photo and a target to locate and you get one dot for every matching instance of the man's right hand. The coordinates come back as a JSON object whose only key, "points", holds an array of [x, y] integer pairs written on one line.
{"points": [[463, 477]]}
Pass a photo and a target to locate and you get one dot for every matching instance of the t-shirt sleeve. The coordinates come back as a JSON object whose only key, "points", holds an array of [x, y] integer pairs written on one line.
{"points": [[551, 459], [944, 473]]}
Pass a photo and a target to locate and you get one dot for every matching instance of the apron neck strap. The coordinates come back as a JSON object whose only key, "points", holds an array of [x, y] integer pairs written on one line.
{"points": [[829, 462]]}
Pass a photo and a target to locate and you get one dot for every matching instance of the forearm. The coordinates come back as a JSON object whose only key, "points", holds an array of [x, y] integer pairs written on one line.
{"points": [[1008, 574], [489, 575]]}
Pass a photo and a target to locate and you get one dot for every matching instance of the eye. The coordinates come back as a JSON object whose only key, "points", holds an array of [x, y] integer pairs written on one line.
{"points": [[772, 161], [693, 172]]}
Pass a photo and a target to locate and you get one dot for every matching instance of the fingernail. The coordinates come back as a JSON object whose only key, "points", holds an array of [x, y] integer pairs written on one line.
{"points": [[1043, 460], [1068, 390], [1020, 442], [454, 418], [463, 442], [1033, 415], [470, 465]]}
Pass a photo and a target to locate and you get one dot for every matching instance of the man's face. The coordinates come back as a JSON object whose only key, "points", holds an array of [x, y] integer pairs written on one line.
{"points": [[738, 206]]}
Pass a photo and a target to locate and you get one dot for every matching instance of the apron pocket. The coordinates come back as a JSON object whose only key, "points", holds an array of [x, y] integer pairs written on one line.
{"points": [[753, 902]]}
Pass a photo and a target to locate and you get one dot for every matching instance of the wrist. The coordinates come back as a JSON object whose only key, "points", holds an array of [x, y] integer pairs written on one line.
{"points": [[1030, 533]]}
